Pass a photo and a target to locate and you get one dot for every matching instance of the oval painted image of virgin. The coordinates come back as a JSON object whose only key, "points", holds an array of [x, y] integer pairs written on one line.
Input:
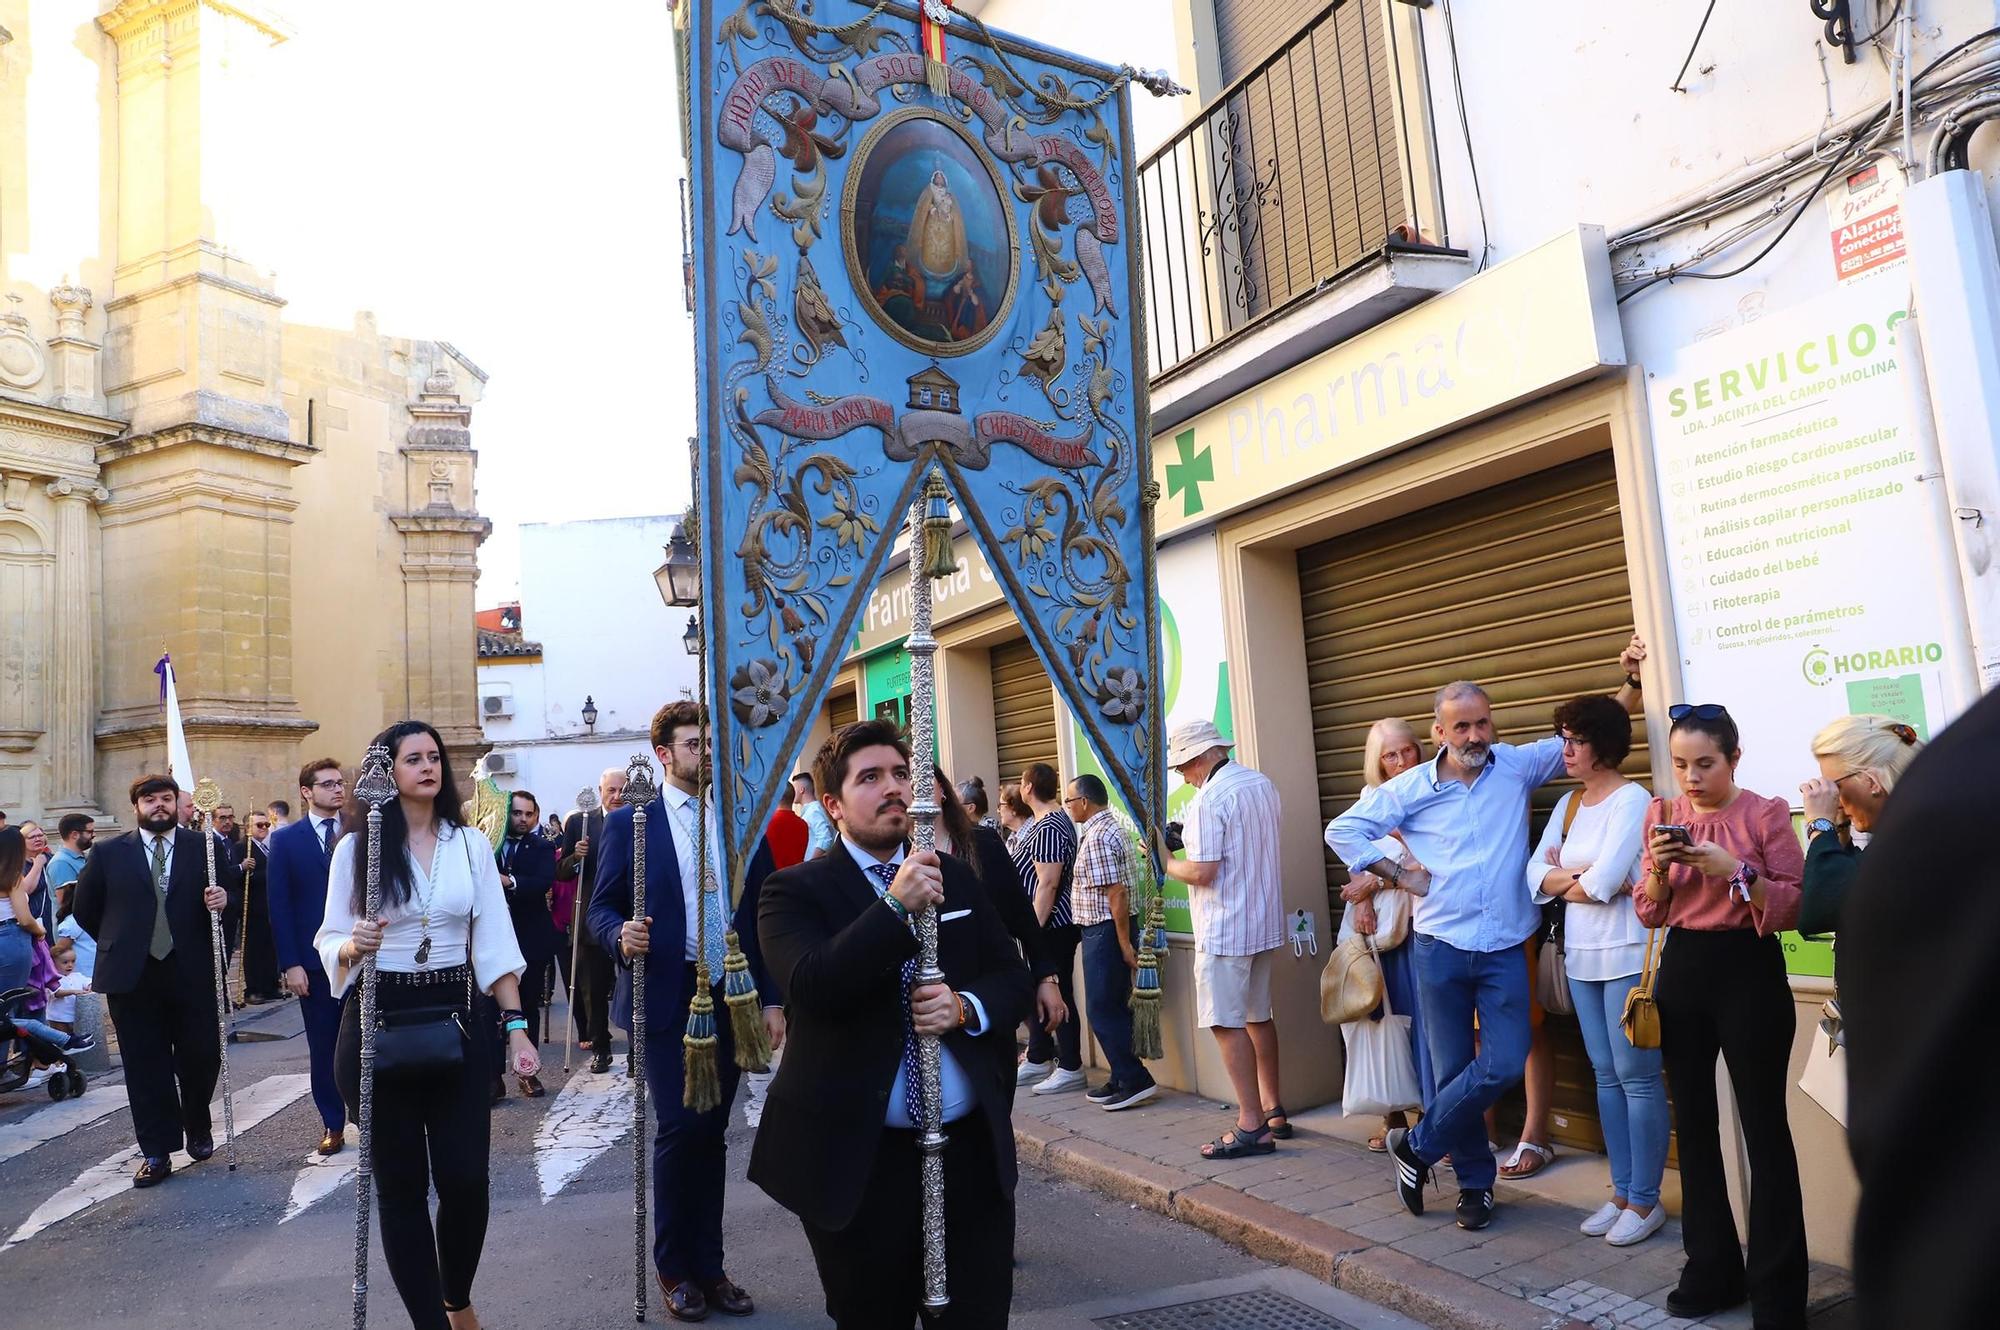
{"points": [[930, 238]]}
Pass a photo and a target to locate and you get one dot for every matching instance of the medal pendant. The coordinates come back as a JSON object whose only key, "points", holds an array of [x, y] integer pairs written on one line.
{"points": [[424, 950]]}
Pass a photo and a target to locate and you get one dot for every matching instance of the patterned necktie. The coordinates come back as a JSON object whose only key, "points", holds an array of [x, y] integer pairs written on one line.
{"points": [[913, 1099], [326, 836], [163, 932]]}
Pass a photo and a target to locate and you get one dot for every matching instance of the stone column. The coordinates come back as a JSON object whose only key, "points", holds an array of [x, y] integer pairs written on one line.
{"points": [[73, 699]]}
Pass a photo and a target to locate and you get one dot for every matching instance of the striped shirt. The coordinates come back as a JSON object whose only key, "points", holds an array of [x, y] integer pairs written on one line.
{"points": [[1234, 821], [1050, 839], [1103, 861]]}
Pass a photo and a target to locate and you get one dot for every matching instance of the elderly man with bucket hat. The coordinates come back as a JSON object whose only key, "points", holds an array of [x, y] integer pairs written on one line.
{"points": [[1237, 900]]}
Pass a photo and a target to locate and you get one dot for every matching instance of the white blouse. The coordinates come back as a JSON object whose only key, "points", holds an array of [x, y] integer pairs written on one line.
{"points": [[1602, 940], [466, 899]]}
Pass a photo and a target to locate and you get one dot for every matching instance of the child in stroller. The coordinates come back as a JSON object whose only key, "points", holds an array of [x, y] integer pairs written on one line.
{"points": [[27, 1043]]}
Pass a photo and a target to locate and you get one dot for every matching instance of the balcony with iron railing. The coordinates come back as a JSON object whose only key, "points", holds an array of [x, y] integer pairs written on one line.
{"points": [[1305, 171]]}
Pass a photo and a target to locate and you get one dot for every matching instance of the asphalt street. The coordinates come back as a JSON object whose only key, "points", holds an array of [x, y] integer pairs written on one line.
{"points": [[271, 1244]]}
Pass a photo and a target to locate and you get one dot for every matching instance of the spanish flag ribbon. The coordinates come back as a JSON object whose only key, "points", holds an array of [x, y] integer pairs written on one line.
{"points": [[932, 19]]}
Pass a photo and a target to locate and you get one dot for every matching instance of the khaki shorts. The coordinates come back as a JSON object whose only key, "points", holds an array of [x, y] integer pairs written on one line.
{"points": [[1232, 991]]}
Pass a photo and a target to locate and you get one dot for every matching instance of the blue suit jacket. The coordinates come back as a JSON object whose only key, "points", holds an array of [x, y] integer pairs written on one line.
{"points": [[668, 991], [297, 888]]}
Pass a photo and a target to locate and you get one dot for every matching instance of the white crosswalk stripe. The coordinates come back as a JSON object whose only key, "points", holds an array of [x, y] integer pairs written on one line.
{"points": [[59, 1120], [108, 1177], [587, 1118], [322, 1176]]}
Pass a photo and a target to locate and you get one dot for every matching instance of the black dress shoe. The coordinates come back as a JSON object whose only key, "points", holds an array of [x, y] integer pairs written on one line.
{"points": [[684, 1299], [332, 1143], [600, 1061], [153, 1170], [531, 1086], [1700, 1306], [201, 1150], [726, 1296]]}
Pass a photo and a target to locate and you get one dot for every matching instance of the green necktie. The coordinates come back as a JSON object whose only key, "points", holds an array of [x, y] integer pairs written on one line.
{"points": [[163, 933]]}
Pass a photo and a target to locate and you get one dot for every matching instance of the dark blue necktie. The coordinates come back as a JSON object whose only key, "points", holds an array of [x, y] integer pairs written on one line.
{"points": [[913, 1099], [326, 836]]}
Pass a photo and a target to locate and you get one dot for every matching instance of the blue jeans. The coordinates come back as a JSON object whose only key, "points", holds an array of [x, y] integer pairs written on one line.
{"points": [[1107, 992], [35, 1029], [1457, 984], [17, 956], [1631, 1090]]}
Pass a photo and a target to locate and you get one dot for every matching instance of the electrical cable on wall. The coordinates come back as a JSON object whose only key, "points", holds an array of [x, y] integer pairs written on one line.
{"points": [[1465, 124]]}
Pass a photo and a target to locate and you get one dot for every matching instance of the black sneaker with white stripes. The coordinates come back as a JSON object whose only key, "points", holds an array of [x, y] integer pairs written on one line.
{"points": [[1475, 1208], [1411, 1173]]}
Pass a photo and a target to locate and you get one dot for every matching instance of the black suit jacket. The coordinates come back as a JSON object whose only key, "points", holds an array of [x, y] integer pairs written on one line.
{"points": [[584, 866], [116, 904], [534, 874], [837, 953]]}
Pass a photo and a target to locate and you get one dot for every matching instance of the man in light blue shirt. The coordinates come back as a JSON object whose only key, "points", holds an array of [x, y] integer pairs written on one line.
{"points": [[1464, 818], [78, 831], [820, 834]]}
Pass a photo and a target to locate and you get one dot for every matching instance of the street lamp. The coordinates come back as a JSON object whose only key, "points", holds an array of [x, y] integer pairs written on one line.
{"points": [[589, 714], [679, 578], [691, 639]]}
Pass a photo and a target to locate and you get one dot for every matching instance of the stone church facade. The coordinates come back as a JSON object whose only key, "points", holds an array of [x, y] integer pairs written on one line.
{"points": [[288, 510]]}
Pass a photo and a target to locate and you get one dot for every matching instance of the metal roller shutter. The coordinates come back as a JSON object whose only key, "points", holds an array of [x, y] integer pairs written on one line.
{"points": [[1521, 588], [1248, 30], [1024, 709], [841, 708]]}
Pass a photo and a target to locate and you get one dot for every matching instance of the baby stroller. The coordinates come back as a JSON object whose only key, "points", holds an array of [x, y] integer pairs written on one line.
{"points": [[21, 1050]]}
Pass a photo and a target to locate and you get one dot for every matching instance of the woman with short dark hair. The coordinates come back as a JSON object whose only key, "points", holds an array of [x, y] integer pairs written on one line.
{"points": [[443, 931], [1721, 872]]}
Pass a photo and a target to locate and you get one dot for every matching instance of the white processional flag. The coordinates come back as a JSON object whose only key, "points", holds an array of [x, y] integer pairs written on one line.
{"points": [[179, 765]]}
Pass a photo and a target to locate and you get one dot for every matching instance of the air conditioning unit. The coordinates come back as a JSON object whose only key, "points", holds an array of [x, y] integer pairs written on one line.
{"points": [[502, 764], [497, 706]]}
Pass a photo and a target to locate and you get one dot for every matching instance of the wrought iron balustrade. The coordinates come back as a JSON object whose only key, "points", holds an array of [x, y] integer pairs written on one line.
{"points": [[1292, 176]]}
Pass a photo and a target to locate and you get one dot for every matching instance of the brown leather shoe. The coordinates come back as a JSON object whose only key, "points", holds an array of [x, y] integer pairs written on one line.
{"points": [[531, 1086], [332, 1143], [153, 1170], [684, 1299], [726, 1296]]}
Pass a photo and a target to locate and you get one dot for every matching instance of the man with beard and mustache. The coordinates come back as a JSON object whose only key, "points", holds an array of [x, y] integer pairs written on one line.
{"points": [[1464, 818], [838, 1142], [690, 1154], [145, 897], [590, 984]]}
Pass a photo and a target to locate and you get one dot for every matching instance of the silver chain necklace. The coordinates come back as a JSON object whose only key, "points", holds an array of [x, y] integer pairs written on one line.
{"points": [[424, 901]]}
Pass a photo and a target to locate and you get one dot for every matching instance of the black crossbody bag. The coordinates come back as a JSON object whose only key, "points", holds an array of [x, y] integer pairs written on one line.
{"points": [[426, 1043]]}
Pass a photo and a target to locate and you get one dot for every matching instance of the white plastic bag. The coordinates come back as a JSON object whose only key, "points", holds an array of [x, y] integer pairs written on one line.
{"points": [[1381, 1073]]}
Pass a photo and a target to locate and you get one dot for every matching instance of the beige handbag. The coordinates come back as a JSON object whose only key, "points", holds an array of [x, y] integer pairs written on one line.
{"points": [[1351, 984], [1641, 1021]]}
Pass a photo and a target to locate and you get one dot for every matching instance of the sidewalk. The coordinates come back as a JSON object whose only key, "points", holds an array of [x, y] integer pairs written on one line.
{"points": [[1326, 1206]]}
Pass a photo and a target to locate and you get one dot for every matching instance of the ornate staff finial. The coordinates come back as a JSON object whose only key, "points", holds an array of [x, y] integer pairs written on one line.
{"points": [[640, 788], [207, 796], [375, 786], [586, 800]]}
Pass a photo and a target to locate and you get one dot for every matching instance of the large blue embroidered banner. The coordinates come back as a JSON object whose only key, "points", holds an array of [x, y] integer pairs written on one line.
{"points": [[889, 282]]}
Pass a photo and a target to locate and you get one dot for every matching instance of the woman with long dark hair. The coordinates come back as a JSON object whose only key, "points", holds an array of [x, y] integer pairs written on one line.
{"points": [[18, 926], [1721, 874], [443, 932]]}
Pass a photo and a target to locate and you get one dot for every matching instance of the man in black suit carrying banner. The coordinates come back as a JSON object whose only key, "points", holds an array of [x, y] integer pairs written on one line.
{"points": [[838, 1144], [145, 897]]}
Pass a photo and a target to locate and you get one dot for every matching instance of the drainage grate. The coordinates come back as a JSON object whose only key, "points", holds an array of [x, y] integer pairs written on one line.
{"points": [[1258, 1310]]}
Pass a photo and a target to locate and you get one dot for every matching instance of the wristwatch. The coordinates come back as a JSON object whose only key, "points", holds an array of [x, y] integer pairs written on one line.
{"points": [[1816, 826], [1740, 880]]}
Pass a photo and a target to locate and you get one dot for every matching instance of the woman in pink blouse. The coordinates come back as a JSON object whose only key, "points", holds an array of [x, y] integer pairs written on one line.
{"points": [[1726, 888]]}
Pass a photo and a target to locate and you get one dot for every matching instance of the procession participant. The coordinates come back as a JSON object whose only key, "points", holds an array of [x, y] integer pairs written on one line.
{"points": [[145, 897], [690, 1149], [443, 932], [261, 980], [838, 1143], [590, 993], [527, 874], [301, 854]]}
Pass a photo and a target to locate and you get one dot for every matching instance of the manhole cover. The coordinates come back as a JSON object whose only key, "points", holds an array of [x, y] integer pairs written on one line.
{"points": [[1257, 1310]]}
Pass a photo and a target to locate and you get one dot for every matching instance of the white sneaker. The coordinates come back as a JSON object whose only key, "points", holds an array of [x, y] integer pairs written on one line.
{"points": [[1030, 1072], [1601, 1223], [1060, 1080], [36, 1077], [1631, 1229]]}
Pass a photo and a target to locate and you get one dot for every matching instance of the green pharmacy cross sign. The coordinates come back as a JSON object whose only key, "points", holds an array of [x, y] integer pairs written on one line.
{"points": [[1188, 474]]}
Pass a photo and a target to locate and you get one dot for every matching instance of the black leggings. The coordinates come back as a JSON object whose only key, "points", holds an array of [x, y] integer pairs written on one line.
{"points": [[425, 1134], [1725, 993]]}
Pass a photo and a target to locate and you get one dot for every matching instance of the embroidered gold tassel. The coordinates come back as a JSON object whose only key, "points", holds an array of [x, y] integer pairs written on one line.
{"points": [[746, 1013], [1146, 1042], [701, 1084], [938, 558]]}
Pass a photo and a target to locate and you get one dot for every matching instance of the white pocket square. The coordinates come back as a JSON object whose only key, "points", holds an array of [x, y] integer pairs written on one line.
{"points": [[955, 914]]}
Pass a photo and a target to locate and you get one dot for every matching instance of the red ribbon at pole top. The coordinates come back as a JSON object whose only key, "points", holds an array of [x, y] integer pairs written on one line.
{"points": [[933, 17]]}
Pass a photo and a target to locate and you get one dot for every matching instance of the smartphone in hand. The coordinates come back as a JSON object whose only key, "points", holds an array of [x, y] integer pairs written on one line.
{"points": [[1680, 835]]}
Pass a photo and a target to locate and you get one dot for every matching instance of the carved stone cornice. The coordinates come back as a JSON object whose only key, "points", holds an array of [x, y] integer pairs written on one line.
{"points": [[441, 523], [288, 451], [114, 734], [129, 18]]}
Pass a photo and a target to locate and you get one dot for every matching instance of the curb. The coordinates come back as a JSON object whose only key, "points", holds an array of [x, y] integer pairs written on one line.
{"points": [[1381, 1275]]}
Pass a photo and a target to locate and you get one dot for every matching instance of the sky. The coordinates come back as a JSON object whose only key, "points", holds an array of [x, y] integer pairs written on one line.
{"points": [[502, 175]]}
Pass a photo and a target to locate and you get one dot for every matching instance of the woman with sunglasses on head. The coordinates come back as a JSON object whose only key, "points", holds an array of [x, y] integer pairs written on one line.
{"points": [[1721, 871], [444, 929], [1860, 759]]}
